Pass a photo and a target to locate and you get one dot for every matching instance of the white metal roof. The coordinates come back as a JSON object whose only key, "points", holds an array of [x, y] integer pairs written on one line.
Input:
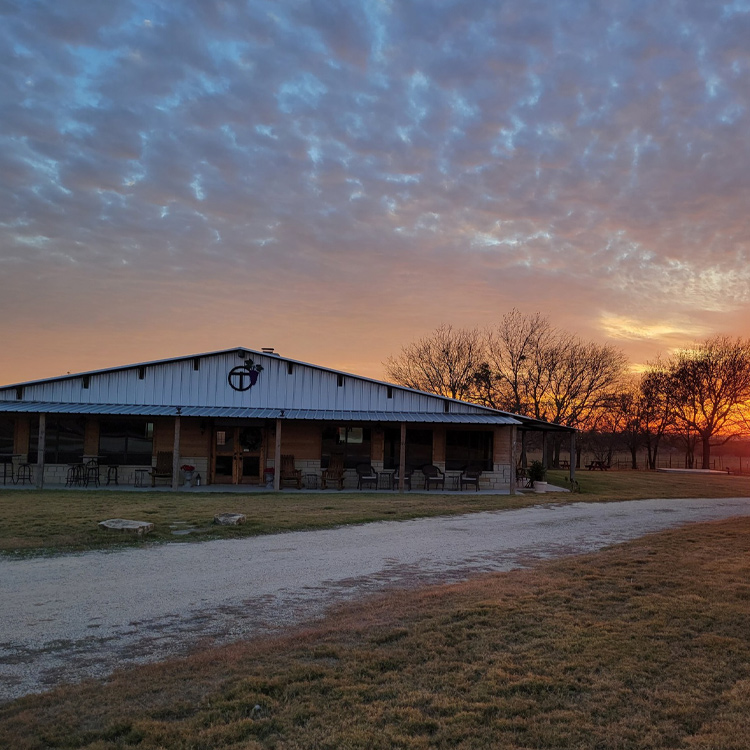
{"points": [[198, 385], [39, 407]]}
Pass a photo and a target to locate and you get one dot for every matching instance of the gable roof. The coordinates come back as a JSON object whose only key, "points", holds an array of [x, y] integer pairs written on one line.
{"points": [[198, 385]]}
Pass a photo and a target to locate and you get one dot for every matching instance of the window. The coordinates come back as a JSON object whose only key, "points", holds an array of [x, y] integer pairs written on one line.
{"points": [[351, 442], [127, 442], [418, 448], [468, 447], [63, 441], [6, 436]]}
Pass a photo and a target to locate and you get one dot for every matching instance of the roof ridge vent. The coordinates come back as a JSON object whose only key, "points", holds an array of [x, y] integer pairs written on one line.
{"points": [[269, 350]]}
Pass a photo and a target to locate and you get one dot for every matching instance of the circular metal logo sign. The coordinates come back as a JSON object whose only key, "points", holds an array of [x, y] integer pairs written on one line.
{"points": [[242, 378]]}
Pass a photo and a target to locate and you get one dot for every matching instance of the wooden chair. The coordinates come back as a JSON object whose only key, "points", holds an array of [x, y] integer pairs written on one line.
{"points": [[289, 473], [470, 475], [365, 474], [334, 473], [163, 468], [433, 475]]}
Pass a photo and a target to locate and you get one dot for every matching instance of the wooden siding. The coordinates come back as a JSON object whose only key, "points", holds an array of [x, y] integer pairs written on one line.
{"points": [[301, 439]]}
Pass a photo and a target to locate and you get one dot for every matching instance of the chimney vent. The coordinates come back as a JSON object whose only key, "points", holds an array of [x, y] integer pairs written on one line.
{"points": [[268, 350]]}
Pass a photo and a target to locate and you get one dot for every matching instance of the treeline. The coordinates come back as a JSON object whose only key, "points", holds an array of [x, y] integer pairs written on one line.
{"points": [[699, 396]]}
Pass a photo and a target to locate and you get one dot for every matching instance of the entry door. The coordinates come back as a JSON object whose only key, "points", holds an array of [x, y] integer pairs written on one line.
{"points": [[237, 455]]}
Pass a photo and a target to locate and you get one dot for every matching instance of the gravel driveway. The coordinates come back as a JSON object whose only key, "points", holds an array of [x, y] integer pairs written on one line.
{"points": [[81, 615]]}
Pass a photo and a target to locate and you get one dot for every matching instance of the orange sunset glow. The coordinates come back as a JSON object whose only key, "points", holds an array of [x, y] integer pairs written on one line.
{"points": [[337, 181]]}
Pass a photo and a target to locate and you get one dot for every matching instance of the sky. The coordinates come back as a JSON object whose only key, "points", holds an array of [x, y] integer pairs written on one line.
{"points": [[337, 178]]}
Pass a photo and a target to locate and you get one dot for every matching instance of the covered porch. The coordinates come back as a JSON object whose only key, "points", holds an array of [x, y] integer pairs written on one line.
{"points": [[223, 450]]}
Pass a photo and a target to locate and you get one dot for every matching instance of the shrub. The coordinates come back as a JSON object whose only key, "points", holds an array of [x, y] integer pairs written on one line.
{"points": [[537, 472]]}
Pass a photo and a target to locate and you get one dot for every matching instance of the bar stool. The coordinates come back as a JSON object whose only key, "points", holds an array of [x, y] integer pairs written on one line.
{"points": [[112, 470], [91, 473], [75, 475], [23, 474]]}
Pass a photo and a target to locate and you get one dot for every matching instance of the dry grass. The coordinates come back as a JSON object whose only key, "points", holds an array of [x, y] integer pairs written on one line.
{"points": [[638, 485], [34, 522], [645, 645], [54, 521]]}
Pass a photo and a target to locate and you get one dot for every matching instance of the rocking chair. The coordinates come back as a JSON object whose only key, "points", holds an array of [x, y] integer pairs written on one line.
{"points": [[334, 473], [163, 468], [289, 473]]}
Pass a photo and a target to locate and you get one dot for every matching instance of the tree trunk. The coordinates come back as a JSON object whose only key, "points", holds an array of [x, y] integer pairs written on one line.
{"points": [[706, 452]]}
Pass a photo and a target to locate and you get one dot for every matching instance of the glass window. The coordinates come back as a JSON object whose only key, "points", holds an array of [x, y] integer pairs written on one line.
{"points": [[63, 440], [468, 448], [418, 448], [351, 442], [6, 436], [126, 442]]}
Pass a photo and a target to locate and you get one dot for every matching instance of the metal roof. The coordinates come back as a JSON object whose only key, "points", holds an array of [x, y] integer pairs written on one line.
{"points": [[228, 412], [248, 351]]}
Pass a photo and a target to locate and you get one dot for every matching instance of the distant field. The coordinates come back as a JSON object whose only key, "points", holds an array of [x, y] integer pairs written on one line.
{"points": [[645, 645], [34, 522]]}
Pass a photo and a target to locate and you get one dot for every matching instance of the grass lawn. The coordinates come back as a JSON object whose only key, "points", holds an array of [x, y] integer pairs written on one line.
{"points": [[644, 645], [33, 522]]}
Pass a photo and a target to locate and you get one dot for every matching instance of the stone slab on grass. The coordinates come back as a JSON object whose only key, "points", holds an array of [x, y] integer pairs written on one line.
{"points": [[230, 519], [126, 526]]}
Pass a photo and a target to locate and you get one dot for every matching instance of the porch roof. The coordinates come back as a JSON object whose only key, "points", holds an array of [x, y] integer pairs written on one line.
{"points": [[228, 412]]}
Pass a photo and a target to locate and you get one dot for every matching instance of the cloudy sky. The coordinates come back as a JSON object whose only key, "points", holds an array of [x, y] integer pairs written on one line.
{"points": [[335, 178]]}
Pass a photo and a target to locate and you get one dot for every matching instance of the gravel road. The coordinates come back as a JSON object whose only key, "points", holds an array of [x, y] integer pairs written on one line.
{"points": [[82, 615]]}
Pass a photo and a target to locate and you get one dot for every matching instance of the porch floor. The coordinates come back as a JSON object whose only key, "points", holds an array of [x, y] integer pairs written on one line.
{"points": [[257, 489]]}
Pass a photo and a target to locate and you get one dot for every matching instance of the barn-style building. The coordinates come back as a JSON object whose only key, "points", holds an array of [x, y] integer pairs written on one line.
{"points": [[233, 414]]}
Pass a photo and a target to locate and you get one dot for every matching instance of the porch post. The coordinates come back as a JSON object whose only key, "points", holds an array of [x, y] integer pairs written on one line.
{"points": [[544, 449], [277, 458], [402, 459], [176, 452], [513, 459], [572, 456], [41, 443]]}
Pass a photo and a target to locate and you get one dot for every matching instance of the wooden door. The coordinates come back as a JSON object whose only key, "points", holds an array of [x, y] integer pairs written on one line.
{"points": [[238, 454]]}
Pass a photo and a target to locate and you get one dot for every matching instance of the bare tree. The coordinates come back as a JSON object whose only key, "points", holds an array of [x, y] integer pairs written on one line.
{"points": [[444, 362], [511, 373], [581, 379], [622, 418], [657, 407], [534, 369], [711, 382]]}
